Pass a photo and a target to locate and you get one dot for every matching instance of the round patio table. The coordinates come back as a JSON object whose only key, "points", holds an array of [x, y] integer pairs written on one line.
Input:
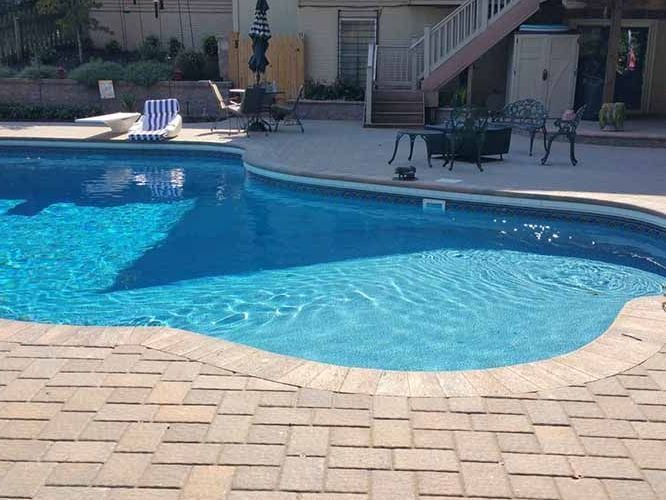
{"points": [[428, 137]]}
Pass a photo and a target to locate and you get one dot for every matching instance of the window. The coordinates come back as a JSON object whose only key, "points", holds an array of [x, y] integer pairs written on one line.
{"points": [[354, 35]]}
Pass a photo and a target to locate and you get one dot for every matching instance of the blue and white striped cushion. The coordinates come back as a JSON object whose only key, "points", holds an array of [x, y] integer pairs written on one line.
{"points": [[157, 114]]}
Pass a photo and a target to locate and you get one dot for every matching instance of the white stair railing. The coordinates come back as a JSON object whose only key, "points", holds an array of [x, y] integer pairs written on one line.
{"points": [[453, 32]]}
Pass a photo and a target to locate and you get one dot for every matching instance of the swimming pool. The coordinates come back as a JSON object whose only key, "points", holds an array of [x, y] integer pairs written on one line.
{"points": [[187, 239]]}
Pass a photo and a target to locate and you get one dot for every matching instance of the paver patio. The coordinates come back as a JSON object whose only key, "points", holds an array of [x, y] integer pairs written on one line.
{"points": [[98, 414]]}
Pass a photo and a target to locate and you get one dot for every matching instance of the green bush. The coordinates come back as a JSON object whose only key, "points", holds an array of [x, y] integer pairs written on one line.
{"points": [[90, 73], [191, 64], [338, 91], [174, 47], [113, 48], [6, 72], [210, 46], [30, 112], [38, 71], [147, 73], [151, 49]]}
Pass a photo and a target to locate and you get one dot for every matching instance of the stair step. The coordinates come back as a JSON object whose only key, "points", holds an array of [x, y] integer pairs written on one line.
{"points": [[397, 107], [398, 95], [396, 125]]}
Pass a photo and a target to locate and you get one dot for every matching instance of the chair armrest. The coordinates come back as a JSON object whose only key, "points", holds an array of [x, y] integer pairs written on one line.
{"points": [[174, 127], [137, 126]]}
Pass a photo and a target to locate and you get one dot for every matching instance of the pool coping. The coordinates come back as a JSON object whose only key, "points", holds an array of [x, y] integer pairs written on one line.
{"points": [[638, 332]]}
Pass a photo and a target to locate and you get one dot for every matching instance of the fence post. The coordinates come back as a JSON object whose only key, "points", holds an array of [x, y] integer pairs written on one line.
{"points": [[369, 82], [223, 56], [17, 38], [426, 51]]}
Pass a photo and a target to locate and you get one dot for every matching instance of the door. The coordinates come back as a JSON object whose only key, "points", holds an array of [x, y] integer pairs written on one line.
{"points": [[561, 73], [631, 67], [530, 54]]}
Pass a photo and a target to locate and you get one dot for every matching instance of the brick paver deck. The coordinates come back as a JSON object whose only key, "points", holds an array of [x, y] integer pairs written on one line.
{"points": [[102, 417], [97, 414]]}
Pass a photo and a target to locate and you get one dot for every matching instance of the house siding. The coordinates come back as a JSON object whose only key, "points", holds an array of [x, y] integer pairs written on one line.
{"points": [[129, 24]]}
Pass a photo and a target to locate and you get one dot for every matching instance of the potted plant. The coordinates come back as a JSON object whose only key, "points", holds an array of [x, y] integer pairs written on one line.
{"points": [[612, 113]]}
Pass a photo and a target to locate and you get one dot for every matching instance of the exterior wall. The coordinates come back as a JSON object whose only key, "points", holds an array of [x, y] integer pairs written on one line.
{"points": [[318, 21], [282, 16], [130, 24], [320, 27]]}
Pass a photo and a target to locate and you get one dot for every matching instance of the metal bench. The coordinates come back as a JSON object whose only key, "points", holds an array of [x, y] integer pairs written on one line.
{"points": [[527, 114]]}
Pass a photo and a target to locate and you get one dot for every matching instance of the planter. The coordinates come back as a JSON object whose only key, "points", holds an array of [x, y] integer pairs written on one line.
{"points": [[612, 115], [196, 99], [310, 109]]}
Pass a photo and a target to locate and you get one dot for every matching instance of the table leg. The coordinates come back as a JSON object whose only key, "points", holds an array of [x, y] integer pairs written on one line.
{"points": [[412, 138], [395, 148], [427, 145]]}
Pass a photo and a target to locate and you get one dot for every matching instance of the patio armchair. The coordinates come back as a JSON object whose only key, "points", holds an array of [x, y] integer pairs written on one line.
{"points": [[161, 120], [288, 115], [566, 128], [467, 135], [526, 114], [226, 110], [252, 107]]}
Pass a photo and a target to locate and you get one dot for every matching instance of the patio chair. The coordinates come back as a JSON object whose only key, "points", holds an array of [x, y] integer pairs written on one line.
{"points": [[566, 128], [252, 107], [161, 120], [227, 109], [288, 115], [467, 135]]}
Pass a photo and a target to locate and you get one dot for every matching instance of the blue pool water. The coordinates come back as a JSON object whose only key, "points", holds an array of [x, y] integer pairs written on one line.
{"points": [[190, 241]]}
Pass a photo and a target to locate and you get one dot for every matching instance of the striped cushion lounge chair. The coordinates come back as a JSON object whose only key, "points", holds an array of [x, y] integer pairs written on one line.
{"points": [[160, 121]]}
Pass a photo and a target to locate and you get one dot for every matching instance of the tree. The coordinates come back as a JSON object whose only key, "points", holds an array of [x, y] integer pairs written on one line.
{"points": [[614, 36], [73, 17]]}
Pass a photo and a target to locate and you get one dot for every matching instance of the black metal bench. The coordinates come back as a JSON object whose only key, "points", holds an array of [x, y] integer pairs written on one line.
{"points": [[527, 114]]}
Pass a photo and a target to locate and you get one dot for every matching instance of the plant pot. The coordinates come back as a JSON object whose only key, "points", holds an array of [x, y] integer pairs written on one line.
{"points": [[612, 116]]}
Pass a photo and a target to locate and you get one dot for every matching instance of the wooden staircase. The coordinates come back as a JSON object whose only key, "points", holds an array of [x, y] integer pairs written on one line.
{"points": [[401, 108], [401, 80]]}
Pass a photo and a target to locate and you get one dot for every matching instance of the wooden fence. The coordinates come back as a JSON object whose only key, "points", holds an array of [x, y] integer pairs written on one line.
{"points": [[286, 55], [24, 33]]}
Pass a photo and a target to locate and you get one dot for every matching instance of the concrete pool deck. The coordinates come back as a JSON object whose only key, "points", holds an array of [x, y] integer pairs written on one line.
{"points": [[139, 413]]}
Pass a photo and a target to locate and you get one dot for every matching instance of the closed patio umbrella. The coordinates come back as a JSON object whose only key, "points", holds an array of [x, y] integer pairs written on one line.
{"points": [[260, 33]]}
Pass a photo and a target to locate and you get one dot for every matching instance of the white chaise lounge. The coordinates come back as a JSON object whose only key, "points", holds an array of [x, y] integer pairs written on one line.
{"points": [[160, 121], [119, 123]]}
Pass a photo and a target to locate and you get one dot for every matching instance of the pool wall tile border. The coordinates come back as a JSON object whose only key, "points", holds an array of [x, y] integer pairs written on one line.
{"points": [[638, 332]]}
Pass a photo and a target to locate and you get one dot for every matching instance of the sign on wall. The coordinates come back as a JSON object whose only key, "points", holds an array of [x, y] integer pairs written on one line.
{"points": [[106, 89]]}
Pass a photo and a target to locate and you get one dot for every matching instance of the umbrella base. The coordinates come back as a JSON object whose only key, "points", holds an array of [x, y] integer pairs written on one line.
{"points": [[259, 125]]}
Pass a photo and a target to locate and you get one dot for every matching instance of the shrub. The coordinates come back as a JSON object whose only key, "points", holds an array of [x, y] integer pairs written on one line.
{"points": [[48, 56], [128, 102], [147, 73], [210, 46], [113, 47], [174, 47], [151, 49], [6, 72], [90, 73], [339, 90], [31, 112], [192, 64], [38, 71]]}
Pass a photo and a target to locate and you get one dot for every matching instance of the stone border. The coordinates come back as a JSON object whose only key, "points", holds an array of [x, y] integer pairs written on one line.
{"points": [[638, 332]]}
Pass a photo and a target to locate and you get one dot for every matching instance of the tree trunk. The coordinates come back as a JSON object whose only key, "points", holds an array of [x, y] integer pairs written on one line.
{"points": [[614, 36], [79, 44]]}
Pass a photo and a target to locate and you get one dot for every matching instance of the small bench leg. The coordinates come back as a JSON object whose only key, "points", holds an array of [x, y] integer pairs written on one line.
{"points": [[532, 134], [549, 145], [572, 149]]}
